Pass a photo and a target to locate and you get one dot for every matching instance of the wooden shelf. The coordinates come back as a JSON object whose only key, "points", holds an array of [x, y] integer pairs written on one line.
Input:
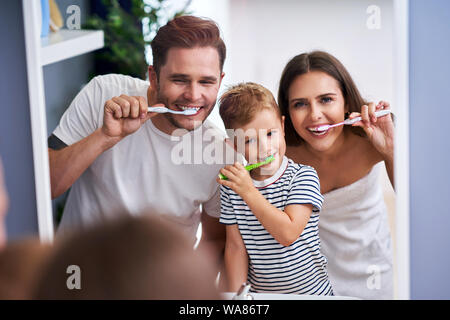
{"points": [[66, 44]]}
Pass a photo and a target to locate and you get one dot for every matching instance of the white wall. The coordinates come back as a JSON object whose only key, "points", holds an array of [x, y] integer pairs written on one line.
{"points": [[262, 35]]}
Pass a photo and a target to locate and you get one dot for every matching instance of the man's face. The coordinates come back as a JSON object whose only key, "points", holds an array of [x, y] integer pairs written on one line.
{"points": [[190, 78]]}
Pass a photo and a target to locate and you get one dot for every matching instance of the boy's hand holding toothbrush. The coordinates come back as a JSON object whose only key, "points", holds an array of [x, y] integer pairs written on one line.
{"points": [[380, 131], [239, 179]]}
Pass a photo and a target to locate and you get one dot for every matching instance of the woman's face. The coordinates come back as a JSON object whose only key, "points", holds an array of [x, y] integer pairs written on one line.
{"points": [[315, 99]]}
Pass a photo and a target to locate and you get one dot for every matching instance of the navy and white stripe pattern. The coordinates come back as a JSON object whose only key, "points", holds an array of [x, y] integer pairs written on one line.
{"points": [[299, 268]]}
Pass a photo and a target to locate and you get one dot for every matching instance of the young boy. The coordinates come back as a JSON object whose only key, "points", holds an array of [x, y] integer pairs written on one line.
{"points": [[271, 213]]}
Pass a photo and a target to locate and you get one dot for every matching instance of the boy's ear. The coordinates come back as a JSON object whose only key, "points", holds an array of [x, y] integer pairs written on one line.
{"points": [[282, 123], [231, 143]]}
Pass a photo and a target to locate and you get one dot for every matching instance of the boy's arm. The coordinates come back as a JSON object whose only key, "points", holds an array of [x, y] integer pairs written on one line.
{"points": [[236, 259], [285, 226]]}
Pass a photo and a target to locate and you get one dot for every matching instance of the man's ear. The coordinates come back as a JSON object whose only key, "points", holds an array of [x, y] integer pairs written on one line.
{"points": [[221, 78], [152, 77]]}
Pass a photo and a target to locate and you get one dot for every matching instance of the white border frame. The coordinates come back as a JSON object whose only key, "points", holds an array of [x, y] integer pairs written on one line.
{"points": [[401, 87], [31, 18]]}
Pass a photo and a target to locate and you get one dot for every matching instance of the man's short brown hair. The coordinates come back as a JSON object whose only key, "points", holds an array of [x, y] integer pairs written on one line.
{"points": [[240, 103], [186, 32]]}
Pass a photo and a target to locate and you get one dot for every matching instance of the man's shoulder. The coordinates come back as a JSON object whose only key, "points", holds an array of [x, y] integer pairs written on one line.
{"points": [[114, 80], [208, 125]]}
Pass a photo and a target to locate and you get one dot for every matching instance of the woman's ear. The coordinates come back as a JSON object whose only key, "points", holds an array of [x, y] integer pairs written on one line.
{"points": [[346, 111]]}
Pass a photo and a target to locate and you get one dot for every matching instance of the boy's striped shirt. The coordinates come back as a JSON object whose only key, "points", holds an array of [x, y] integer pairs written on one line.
{"points": [[299, 268]]}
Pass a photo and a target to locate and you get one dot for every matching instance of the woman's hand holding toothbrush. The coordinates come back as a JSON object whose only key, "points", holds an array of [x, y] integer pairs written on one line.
{"points": [[380, 131]]}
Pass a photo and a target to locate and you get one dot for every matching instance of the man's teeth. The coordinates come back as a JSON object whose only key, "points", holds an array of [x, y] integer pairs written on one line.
{"points": [[189, 108]]}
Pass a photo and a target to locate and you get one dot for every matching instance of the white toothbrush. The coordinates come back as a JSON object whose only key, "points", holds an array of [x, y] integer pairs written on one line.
{"points": [[187, 112], [379, 113]]}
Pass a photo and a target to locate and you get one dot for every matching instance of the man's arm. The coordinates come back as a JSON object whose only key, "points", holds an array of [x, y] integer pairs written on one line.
{"points": [[122, 116], [236, 259], [213, 239], [67, 164]]}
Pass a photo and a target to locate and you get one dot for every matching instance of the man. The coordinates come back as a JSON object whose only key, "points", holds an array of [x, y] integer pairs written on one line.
{"points": [[118, 157]]}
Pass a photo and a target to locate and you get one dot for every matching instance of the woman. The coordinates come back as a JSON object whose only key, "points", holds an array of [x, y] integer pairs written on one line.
{"points": [[316, 89]]}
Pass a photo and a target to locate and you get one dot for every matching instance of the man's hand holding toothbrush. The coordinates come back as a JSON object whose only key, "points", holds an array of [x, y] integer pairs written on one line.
{"points": [[124, 115]]}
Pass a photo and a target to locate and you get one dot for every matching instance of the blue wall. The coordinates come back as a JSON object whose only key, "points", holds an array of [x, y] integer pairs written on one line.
{"points": [[64, 79], [15, 126], [430, 148]]}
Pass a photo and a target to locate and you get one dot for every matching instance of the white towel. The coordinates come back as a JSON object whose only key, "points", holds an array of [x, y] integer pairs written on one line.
{"points": [[355, 238]]}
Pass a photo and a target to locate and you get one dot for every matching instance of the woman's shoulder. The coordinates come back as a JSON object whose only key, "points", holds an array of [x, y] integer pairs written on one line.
{"points": [[363, 149], [295, 169]]}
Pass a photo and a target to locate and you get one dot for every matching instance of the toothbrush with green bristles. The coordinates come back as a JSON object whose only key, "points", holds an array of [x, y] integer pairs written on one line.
{"points": [[252, 166]]}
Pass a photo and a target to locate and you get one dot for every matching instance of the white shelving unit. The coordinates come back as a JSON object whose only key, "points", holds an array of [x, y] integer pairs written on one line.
{"points": [[39, 52], [66, 44]]}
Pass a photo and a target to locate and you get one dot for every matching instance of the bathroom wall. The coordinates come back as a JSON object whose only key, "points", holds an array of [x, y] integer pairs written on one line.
{"points": [[15, 126], [64, 79], [429, 149]]}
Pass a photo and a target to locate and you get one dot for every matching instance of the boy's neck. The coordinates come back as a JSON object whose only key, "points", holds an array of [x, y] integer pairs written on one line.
{"points": [[255, 174]]}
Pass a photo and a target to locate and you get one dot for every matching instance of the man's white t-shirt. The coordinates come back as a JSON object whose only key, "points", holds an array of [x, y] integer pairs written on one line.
{"points": [[142, 173]]}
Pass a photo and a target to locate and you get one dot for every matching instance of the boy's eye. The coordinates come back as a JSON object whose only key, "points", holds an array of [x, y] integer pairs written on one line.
{"points": [[251, 140]]}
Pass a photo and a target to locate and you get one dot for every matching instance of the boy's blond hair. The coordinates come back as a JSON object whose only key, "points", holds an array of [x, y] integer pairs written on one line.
{"points": [[240, 103]]}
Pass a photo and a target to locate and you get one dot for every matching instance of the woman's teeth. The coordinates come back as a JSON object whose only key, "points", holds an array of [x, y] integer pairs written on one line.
{"points": [[314, 131]]}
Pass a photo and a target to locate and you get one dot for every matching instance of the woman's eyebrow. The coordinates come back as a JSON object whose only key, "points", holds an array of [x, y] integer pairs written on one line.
{"points": [[298, 99], [327, 94]]}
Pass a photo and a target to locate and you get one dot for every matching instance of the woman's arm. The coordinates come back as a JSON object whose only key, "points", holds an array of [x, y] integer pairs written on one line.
{"points": [[236, 259], [380, 132]]}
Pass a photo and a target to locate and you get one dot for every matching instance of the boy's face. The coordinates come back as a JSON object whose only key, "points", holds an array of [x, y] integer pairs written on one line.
{"points": [[261, 138], [190, 78]]}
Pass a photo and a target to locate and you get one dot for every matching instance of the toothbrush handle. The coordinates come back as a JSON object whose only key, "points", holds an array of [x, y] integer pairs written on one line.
{"points": [[248, 168], [379, 113], [157, 109]]}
